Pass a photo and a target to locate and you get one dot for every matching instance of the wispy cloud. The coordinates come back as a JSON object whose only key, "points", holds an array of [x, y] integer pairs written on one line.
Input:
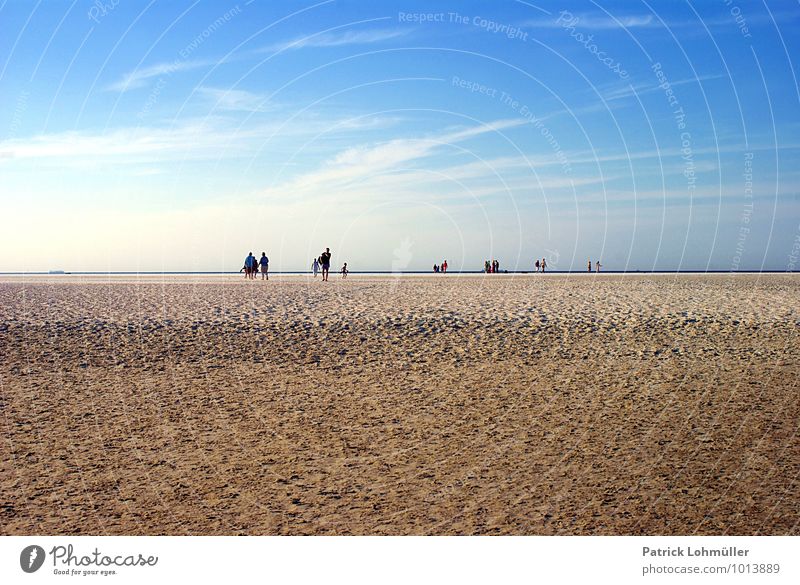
{"points": [[210, 137], [358, 163], [235, 100], [139, 77], [617, 92], [593, 21], [602, 21], [338, 39]]}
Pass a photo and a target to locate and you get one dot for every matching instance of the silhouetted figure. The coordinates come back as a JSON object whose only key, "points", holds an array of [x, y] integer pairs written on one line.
{"points": [[325, 260], [250, 266]]}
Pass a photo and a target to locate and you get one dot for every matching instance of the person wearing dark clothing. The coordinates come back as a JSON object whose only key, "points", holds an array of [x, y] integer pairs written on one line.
{"points": [[325, 260]]}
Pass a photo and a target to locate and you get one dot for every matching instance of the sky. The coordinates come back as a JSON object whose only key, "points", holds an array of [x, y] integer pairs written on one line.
{"points": [[179, 136]]}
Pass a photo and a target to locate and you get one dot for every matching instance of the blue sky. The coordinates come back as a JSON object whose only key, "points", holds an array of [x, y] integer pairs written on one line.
{"points": [[181, 135]]}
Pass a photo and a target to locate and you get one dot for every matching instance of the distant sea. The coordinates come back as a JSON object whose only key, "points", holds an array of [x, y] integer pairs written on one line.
{"points": [[388, 272]]}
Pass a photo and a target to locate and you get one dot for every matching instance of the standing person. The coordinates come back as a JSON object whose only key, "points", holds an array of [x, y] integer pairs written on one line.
{"points": [[537, 265], [264, 262], [590, 264], [486, 266], [344, 270], [315, 266], [598, 266], [249, 265], [544, 264], [325, 260], [444, 266], [497, 266]]}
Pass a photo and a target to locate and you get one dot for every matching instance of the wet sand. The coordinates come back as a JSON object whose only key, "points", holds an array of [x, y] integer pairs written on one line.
{"points": [[493, 404]]}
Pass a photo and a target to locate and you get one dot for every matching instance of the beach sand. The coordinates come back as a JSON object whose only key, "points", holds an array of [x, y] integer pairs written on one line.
{"points": [[492, 404]]}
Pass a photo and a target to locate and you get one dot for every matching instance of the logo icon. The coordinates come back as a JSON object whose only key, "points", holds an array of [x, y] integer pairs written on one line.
{"points": [[31, 558]]}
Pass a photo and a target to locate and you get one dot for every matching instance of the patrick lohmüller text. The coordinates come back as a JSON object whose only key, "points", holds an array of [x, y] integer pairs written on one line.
{"points": [[679, 551]]}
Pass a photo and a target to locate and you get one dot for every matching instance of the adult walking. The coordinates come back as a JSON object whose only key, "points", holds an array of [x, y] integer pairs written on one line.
{"points": [[544, 264], [325, 260], [264, 263]]}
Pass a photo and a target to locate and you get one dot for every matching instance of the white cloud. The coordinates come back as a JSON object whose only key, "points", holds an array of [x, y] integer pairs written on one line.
{"points": [[236, 100], [212, 137], [338, 39], [629, 90], [139, 77], [360, 162], [594, 22]]}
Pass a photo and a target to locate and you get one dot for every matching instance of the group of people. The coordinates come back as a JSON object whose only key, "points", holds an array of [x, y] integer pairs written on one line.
{"points": [[492, 267], [253, 264], [323, 263], [440, 267]]}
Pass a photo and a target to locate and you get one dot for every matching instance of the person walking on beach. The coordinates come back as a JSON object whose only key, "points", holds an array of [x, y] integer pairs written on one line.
{"points": [[544, 264], [537, 265], [486, 266], [598, 266], [250, 266], [344, 270], [264, 262], [325, 260], [315, 266], [444, 267], [590, 264]]}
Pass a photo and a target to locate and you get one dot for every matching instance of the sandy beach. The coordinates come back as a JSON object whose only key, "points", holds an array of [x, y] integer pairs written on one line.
{"points": [[583, 404]]}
